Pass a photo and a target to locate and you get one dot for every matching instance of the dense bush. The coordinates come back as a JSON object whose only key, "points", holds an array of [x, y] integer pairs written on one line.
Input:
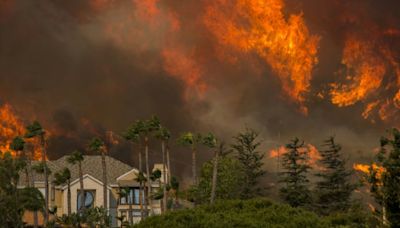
{"points": [[237, 213]]}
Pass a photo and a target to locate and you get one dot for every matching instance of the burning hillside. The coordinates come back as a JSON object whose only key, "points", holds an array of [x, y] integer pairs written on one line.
{"points": [[12, 126], [300, 68]]}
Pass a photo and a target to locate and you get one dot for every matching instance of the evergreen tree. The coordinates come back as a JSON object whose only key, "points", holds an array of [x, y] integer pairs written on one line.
{"points": [[251, 162], [230, 180], [333, 190], [385, 181], [296, 184]]}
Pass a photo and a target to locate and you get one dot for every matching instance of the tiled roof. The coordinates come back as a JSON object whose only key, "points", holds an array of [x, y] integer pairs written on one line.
{"points": [[90, 165]]}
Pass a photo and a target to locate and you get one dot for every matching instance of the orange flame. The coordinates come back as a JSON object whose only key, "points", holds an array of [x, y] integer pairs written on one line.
{"points": [[12, 126], [365, 73], [367, 169], [274, 153], [260, 26], [148, 26], [313, 154], [366, 64]]}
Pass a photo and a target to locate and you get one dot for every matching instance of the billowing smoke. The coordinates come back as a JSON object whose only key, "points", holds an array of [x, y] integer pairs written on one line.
{"points": [[305, 68]]}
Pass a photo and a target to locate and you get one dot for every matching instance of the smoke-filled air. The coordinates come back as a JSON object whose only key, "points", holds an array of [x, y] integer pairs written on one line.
{"points": [[306, 69]]}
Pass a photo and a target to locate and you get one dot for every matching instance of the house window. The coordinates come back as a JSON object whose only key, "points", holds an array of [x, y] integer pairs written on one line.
{"points": [[89, 199], [135, 213], [132, 197]]}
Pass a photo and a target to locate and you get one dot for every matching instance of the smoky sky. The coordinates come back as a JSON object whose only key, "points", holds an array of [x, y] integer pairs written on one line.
{"points": [[59, 64]]}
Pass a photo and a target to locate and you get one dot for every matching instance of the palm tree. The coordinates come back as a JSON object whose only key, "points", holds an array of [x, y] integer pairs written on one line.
{"points": [[18, 145], [126, 192], [64, 177], [175, 187], [77, 158], [133, 135], [163, 134], [42, 168], [168, 164], [97, 145], [156, 176], [191, 140], [36, 130], [145, 128], [211, 142], [141, 179]]}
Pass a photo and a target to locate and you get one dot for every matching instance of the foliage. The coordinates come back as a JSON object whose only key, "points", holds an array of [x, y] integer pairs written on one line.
{"points": [[140, 178], [152, 124], [251, 160], [210, 140], [163, 133], [34, 129], [296, 184], [41, 167], [62, 177], [174, 183], [132, 133], [355, 217], [97, 217], [230, 180], [14, 201], [236, 213], [333, 190], [143, 128], [384, 178], [189, 139], [96, 144], [75, 157], [91, 217], [17, 144], [155, 175]]}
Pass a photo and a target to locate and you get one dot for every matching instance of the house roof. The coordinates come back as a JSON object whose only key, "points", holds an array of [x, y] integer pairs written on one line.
{"points": [[90, 165]]}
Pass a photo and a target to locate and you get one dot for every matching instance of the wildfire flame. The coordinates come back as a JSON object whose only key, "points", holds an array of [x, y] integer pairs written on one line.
{"points": [[365, 73], [313, 154], [260, 26], [368, 169], [12, 126], [367, 63]]}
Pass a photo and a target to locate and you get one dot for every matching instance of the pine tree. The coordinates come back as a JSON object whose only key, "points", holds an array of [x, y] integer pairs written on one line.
{"points": [[296, 190], [333, 190], [251, 162], [385, 181]]}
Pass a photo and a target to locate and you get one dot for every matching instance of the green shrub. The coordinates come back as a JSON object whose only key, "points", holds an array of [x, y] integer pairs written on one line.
{"points": [[237, 213]]}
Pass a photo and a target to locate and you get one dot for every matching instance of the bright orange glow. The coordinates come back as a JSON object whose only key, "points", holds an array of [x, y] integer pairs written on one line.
{"points": [[313, 154], [371, 69], [379, 170], [147, 26], [361, 167], [368, 109], [260, 26], [274, 153], [184, 67], [364, 73], [12, 126]]}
